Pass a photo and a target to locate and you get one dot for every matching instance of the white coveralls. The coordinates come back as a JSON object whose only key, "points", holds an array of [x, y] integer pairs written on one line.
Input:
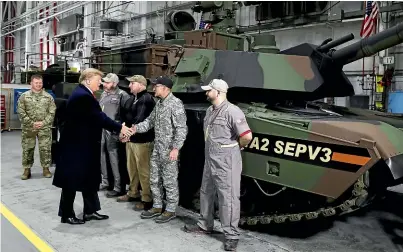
{"points": [[223, 167]]}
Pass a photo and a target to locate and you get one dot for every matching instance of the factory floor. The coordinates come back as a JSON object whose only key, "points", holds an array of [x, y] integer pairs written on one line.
{"points": [[33, 205], [12, 239]]}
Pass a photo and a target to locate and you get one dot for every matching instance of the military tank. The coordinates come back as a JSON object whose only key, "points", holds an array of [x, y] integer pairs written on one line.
{"points": [[307, 159]]}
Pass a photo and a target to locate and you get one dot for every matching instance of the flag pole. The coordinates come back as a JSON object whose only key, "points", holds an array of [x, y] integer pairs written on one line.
{"points": [[368, 27], [373, 92], [363, 59]]}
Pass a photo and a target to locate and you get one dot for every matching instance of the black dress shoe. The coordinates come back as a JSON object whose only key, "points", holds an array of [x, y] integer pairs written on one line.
{"points": [[72, 220], [95, 216]]}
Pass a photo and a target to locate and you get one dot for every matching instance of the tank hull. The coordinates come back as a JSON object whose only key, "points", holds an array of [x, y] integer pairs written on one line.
{"points": [[335, 163]]}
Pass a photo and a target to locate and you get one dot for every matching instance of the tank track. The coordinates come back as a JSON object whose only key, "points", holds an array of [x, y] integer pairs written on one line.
{"points": [[358, 199]]}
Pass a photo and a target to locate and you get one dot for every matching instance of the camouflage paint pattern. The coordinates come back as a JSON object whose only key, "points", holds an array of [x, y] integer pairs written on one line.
{"points": [[36, 107], [352, 146], [237, 68], [377, 139], [298, 73]]}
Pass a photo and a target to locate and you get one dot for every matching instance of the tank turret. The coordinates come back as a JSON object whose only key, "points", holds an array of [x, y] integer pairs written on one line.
{"points": [[302, 73], [328, 62]]}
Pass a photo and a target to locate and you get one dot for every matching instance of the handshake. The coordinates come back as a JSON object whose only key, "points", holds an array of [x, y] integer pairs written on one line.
{"points": [[126, 133]]}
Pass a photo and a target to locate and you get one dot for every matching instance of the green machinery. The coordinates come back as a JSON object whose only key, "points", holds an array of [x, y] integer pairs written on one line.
{"points": [[307, 159]]}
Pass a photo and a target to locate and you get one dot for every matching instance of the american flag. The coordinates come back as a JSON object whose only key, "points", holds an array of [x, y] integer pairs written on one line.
{"points": [[204, 25], [370, 19]]}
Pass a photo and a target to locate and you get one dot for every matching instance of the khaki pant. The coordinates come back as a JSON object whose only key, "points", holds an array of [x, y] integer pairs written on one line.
{"points": [[138, 167]]}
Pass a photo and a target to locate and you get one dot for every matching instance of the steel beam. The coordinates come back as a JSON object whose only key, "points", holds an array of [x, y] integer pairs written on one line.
{"points": [[33, 11], [291, 21], [87, 33], [28, 33], [17, 45], [154, 13], [55, 47], [46, 18], [9, 44], [4, 12]]}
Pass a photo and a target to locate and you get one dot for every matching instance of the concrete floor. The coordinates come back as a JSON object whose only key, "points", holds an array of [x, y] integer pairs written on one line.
{"points": [[13, 240], [35, 202]]}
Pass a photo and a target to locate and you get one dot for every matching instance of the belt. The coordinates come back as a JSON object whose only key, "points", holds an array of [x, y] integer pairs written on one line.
{"points": [[229, 145]]}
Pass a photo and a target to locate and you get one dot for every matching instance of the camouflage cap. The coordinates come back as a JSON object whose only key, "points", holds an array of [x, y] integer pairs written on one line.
{"points": [[217, 84], [137, 78], [111, 77]]}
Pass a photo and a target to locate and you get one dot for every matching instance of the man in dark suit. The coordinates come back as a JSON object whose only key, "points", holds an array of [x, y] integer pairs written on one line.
{"points": [[78, 161]]}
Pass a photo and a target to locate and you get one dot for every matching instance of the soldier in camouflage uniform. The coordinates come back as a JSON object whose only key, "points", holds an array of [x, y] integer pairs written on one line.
{"points": [[169, 121], [36, 110]]}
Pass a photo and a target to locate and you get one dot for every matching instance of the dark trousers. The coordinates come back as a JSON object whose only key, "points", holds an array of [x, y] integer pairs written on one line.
{"points": [[91, 203]]}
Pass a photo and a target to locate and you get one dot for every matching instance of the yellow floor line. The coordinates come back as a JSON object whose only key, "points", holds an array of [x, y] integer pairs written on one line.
{"points": [[25, 230]]}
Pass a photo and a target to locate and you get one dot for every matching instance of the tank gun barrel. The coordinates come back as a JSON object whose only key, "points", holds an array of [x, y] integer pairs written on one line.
{"points": [[370, 45], [337, 42]]}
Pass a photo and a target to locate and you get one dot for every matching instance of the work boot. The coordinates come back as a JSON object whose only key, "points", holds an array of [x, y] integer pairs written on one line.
{"points": [[153, 212], [165, 217], [143, 206], [103, 187], [47, 173], [230, 245], [26, 174], [126, 198], [194, 228], [113, 194]]}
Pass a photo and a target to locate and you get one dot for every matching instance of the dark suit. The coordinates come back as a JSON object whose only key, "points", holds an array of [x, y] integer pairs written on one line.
{"points": [[78, 162]]}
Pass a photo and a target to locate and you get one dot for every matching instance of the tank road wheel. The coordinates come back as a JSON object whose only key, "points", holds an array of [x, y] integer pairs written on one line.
{"points": [[329, 212], [252, 221], [280, 219], [311, 215], [360, 195], [265, 220], [347, 205], [296, 217]]}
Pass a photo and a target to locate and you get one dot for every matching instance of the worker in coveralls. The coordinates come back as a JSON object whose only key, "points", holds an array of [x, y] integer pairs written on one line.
{"points": [[36, 110], [169, 121], [110, 104], [226, 133]]}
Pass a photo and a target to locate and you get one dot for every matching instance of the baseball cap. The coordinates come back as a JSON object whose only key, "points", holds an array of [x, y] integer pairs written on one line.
{"points": [[137, 78], [217, 84], [163, 80], [111, 77]]}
